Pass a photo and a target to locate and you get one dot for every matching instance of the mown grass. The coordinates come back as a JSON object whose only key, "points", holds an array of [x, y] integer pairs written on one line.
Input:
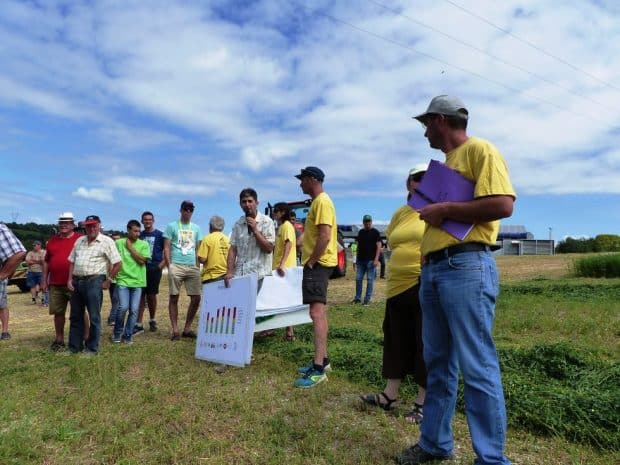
{"points": [[153, 403]]}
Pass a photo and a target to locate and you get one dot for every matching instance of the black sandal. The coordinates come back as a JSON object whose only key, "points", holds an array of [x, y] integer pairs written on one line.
{"points": [[375, 399], [416, 415]]}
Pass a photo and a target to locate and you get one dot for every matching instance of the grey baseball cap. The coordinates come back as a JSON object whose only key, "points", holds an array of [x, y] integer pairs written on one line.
{"points": [[445, 105]]}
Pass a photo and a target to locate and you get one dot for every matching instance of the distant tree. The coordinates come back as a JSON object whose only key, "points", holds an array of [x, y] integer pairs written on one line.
{"points": [[608, 242], [570, 245]]}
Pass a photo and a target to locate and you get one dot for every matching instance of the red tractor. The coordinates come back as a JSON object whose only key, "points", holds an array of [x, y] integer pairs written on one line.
{"points": [[300, 210]]}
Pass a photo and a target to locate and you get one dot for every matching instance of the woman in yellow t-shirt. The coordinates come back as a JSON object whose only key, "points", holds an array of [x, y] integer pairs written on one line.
{"points": [[284, 251], [402, 324]]}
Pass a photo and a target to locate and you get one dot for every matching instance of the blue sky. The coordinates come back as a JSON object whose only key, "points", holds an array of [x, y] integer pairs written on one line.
{"points": [[115, 107]]}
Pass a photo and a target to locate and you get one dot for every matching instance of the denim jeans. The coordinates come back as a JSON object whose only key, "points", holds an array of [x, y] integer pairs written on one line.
{"points": [[128, 300], [88, 295], [368, 268], [113, 304], [457, 296]]}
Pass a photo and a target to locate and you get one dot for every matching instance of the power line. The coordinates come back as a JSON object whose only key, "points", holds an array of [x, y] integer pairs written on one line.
{"points": [[494, 57], [532, 45], [443, 62]]}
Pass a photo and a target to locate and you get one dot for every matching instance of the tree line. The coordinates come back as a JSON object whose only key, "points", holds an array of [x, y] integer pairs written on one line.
{"points": [[600, 243], [27, 233]]}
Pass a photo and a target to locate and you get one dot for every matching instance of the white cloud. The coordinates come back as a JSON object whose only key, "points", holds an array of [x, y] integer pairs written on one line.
{"points": [[96, 193]]}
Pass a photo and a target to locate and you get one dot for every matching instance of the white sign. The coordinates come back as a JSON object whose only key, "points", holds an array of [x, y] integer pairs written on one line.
{"points": [[226, 323]]}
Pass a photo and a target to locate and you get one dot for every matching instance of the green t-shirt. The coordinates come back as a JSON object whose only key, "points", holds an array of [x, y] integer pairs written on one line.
{"points": [[132, 274]]}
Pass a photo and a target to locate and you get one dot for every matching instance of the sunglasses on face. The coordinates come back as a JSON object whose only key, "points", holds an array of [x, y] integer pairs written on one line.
{"points": [[188, 209]]}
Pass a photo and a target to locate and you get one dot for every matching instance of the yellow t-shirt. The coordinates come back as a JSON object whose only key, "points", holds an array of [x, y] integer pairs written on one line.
{"points": [[478, 160], [322, 211], [404, 234], [286, 232], [214, 247]]}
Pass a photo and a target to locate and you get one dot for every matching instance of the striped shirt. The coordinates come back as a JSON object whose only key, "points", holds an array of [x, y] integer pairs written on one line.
{"points": [[94, 258]]}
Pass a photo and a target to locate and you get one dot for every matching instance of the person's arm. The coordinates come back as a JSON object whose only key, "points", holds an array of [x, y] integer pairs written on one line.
{"points": [[30, 260], [44, 276], [112, 272], [196, 247], [375, 260], [264, 243], [288, 245], [166, 260], [231, 258], [480, 210], [70, 280], [8, 268], [321, 244], [140, 260]]}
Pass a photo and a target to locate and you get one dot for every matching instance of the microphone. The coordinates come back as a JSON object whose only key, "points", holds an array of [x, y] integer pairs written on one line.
{"points": [[250, 232]]}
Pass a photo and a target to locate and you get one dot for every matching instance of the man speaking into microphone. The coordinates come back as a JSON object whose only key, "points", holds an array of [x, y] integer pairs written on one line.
{"points": [[251, 241]]}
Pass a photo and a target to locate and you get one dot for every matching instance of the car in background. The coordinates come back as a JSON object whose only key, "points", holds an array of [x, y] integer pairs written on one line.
{"points": [[19, 277]]}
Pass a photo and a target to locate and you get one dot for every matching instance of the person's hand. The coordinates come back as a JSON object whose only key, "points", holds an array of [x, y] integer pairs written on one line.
{"points": [[280, 271], [433, 213], [251, 223], [70, 285], [375, 263], [227, 278], [43, 285], [106, 284], [162, 264]]}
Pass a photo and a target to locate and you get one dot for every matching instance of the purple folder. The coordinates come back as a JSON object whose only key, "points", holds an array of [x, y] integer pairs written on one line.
{"points": [[443, 184]]}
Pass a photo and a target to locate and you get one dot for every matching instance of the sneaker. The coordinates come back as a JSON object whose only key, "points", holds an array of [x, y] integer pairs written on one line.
{"points": [[306, 368], [356, 301], [138, 329], [128, 341], [311, 379], [366, 303], [57, 346], [34, 301], [152, 326], [5, 336], [415, 455]]}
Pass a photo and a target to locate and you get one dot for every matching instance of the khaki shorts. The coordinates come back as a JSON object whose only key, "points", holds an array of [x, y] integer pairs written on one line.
{"points": [[60, 296], [184, 274]]}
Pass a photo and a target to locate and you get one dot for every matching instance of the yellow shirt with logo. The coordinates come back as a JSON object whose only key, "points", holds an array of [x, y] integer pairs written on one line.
{"points": [[478, 160], [322, 211], [214, 248], [404, 234], [286, 232]]}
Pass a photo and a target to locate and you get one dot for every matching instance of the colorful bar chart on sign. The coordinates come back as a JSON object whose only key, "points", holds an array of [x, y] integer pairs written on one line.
{"points": [[223, 322]]}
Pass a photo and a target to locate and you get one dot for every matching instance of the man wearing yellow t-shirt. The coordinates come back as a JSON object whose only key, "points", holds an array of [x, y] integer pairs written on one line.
{"points": [[213, 251], [319, 256], [458, 288]]}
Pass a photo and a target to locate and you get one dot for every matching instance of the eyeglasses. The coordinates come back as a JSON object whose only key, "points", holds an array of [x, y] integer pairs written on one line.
{"points": [[188, 209]]}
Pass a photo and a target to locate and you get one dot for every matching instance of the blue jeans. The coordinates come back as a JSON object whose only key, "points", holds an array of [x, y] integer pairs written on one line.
{"points": [[128, 299], [365, 267], [113, 303], [88, 295], [457, 296]]}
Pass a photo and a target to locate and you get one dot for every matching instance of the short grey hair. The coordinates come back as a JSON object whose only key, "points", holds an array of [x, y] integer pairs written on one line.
{"points": [[216, 223]]}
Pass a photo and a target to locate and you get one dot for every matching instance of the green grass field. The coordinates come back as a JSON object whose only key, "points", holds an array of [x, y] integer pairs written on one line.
{"points": [[153, 403]]}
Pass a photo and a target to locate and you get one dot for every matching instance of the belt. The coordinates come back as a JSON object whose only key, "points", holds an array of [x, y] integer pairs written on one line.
{"points": [[87, 277], [456, 249]]}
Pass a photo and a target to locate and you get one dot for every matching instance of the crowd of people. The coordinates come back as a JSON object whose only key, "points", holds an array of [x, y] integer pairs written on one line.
{"points": [[441, 291]]}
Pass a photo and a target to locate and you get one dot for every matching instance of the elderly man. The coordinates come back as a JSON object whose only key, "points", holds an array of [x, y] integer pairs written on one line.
{"points": [[94, 262], [368, 250], [251, 241], [458, 289], [213, 251], [56, 275], [181, 241], [12, 252], [319, 257]]}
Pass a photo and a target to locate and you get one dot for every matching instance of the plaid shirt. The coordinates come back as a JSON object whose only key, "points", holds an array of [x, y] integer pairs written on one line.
{"points": [[9, 244], [94, 258]]}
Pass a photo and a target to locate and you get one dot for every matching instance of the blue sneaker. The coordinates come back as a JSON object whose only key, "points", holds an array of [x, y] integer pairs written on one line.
{"points": [[311, 379], [306, 368]]}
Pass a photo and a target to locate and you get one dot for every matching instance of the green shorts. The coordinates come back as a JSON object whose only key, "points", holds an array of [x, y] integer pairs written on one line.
{"points": [[59, 297]]}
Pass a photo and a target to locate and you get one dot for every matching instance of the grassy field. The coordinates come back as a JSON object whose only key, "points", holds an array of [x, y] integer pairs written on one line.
{"points": [[153, 403]]}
